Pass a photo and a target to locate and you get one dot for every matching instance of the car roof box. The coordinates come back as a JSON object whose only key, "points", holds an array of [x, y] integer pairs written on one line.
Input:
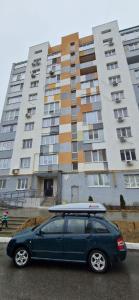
{"points": [[91, 208]]}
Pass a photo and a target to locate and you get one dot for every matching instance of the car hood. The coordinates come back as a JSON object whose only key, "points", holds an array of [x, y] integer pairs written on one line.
{"points": [[24, 232]]}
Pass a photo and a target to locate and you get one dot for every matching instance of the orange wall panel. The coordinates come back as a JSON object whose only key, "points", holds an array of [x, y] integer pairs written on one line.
{"points": [[65, 119], [66, 103], [80, 156], [65, 137], [86, 107], [65, 89], [65, 158], [79, 117]]}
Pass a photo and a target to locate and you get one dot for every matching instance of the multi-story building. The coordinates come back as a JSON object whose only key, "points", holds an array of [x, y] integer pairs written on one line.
{"points": [[70, 122]]}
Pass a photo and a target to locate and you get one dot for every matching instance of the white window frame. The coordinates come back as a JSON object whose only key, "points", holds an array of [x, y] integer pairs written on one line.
{"points": [[49, 139], [120, 132], [110, 52], [47, 160], [22, 184], [52, 92], [131, 181], [133, 46], [125, 154], [91, 98], [25, 162], [121, 112], [3, 184], [27, 143], [112, 66], [32, 97], [29, 126], [96, 114], [117, 95], [6, 145], [7, 128], [116, 78], [94, 139], [11, 115], [98, 177], [52, 107], [5, 163], [50, 122], [14, 100], [34, 84]]}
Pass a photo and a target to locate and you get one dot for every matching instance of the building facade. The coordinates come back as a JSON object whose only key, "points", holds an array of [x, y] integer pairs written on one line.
{"points": [[70, 122]]}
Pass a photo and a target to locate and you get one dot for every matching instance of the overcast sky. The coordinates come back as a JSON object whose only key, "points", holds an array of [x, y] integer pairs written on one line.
{"points": [[29, 22]]}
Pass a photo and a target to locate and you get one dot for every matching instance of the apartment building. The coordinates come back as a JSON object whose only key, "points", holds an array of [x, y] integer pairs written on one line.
{"points": [[70, 122]]}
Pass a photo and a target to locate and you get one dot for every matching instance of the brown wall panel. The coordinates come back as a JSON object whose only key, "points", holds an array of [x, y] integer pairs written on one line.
{"points": [[65, 158], [65, 137], [80, 156], [65, 119], [86, 107]]}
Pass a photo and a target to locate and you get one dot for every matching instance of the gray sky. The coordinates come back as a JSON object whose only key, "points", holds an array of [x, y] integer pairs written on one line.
{"points": [[24, 23]]}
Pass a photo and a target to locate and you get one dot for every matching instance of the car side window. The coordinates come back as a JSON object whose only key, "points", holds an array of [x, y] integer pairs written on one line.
{"points": [[76, 225], [55, 226], [98, 227]]}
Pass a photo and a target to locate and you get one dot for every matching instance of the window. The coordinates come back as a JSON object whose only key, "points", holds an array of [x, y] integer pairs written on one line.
{"points": [[50, 122], [16, 88], [22, 184], [95, 135], [7, 145], [31, 111], [74, 111], [52, 107], [76, 225], [124, 132], [27, 143], [86, 46], [73, 68], [120, 112], [74, 166], [52, 92], [47, 160], [98, 180], [2, 184], [108, 41], [74, 147], [72, 43], [95, 156], [5, 163], [20, 65], [92, 117], [98, 227], [14, 100], [133, 46], [36, 62], [136, 73], [53, 79], [49, 139], [34, 83], [11, 115], [73, 95], [114, 80], [38, 51], [131, 181], [110, 53], [112, 66], [106, 31], [72, 54], [55, 226], [29, 126], [8, 128], [17, 77], [90, 99], [117, 95], [25, 162], [32, 97], [128, 154]]}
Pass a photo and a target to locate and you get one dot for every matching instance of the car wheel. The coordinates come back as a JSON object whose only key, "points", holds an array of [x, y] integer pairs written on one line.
{"points": [[21, 257], [98, 261]]}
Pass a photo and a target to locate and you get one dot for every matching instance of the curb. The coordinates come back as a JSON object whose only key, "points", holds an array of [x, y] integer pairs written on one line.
{"points": [[130, 246]]}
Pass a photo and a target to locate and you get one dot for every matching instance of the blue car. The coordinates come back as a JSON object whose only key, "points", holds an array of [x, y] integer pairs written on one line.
{"points": [[70, 237]]}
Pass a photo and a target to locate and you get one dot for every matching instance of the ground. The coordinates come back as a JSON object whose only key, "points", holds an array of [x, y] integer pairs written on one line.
{"points": [[60, 281]]}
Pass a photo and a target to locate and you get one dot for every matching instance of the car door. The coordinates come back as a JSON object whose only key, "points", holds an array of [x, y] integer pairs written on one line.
{"points": [[75, 238], [48, 241]]}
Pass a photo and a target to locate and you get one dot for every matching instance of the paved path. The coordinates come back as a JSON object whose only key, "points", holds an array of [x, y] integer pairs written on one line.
{"points": [[57, 281]]}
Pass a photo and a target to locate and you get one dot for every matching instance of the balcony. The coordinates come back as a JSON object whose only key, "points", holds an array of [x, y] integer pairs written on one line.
{"points": [[86, 46], [88, 64]]}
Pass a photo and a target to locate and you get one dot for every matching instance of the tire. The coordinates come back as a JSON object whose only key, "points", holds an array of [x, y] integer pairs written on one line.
{"points": [[98, 261], [21, 257]]}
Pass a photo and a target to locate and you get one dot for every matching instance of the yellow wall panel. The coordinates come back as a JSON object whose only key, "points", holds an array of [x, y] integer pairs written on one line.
{"points": [[65, 119], [64, 137], [65, 158]]}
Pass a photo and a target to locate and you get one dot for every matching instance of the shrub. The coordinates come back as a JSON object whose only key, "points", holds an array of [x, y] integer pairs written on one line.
{"points": [[90, 199], [122, 202]]}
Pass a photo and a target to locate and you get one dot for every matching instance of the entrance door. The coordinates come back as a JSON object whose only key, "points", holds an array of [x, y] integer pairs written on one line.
{"points": [[74, 193], [48, 187]]}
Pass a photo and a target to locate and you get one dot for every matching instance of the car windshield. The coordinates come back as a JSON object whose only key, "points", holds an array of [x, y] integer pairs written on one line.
{"points": [[35, 227]]}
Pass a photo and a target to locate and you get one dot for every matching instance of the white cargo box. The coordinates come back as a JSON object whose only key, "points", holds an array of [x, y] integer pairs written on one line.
{"points": [[78, 208]]}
